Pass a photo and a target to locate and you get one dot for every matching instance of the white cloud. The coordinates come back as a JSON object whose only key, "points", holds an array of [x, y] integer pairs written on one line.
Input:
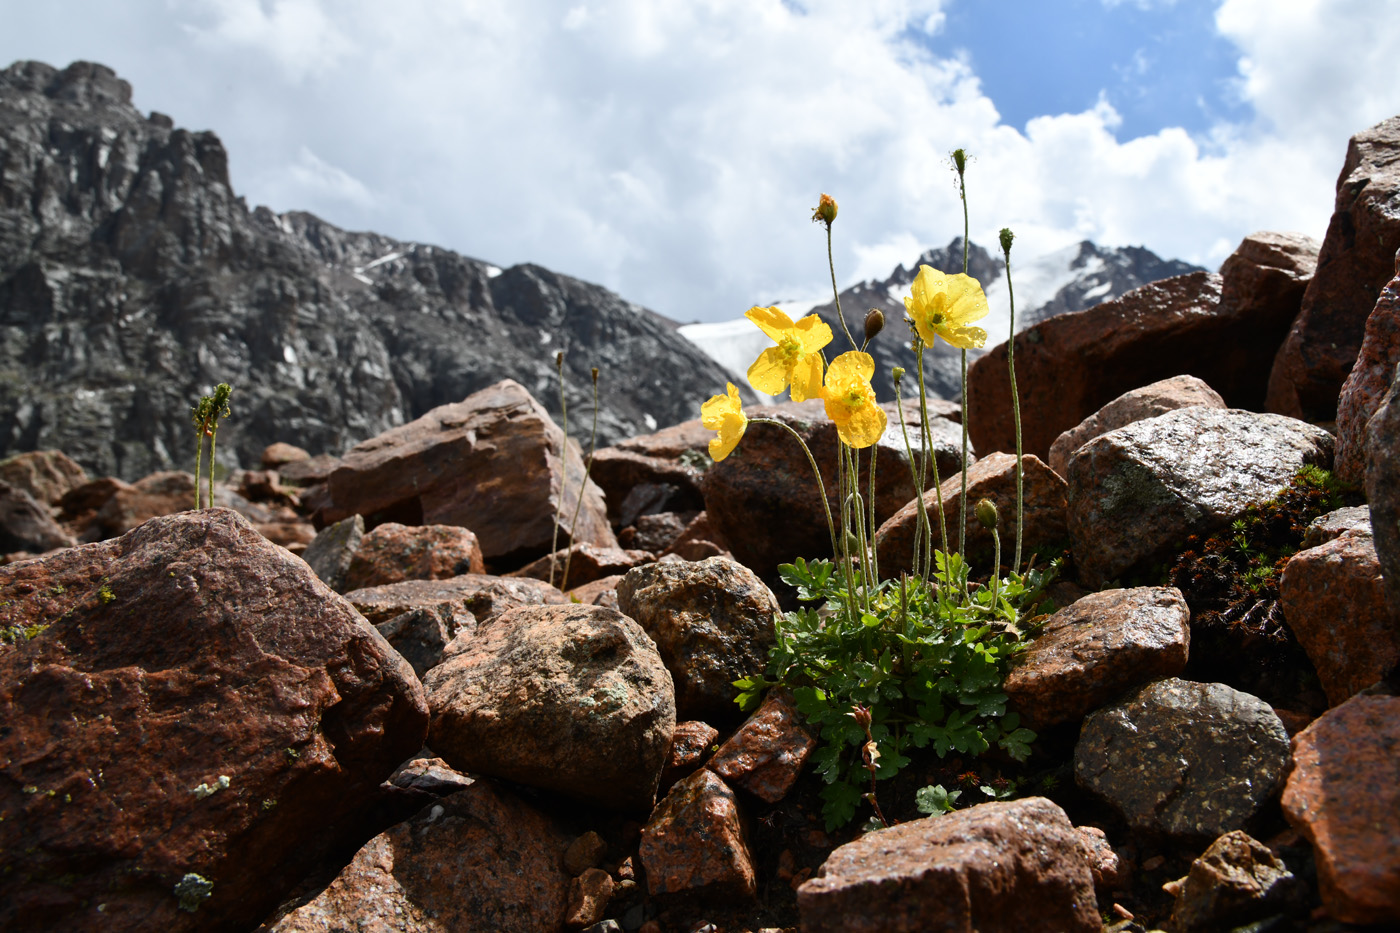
{"points": [[673, 152]]}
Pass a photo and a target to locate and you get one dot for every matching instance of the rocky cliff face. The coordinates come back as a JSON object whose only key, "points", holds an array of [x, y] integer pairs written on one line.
{"points": [[132, 279]]}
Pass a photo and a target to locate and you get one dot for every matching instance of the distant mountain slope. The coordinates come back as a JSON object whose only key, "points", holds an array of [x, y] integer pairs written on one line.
{"points": [[1070, 279], [132, 280]]}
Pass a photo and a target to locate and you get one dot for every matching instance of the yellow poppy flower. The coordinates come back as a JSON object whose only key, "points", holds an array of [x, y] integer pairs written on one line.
{"points": [[725, 414], [796, 360], [943, 305], [850, 399]]}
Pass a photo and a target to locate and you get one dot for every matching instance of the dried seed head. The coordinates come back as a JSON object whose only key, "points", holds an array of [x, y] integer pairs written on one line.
{"points": [[825, 211]]}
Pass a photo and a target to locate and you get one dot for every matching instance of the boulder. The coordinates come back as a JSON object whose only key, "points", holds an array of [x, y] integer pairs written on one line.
{"points": [[494, 462], [1335, 603], [1357, 259], [712, 622], [764, 498], [1351, 519], [482, 595], [765, 755], [26, 525], [695, 844], [47, 475], [308, 472], [1185, 760], [1146, 402], [280, 453], [1383, 487], [1096, 649], [1222, 328], [1343, 794], [477, 860], [422, 635], [1136, 493], [993, 477], [1368, 381], [672, 460], [1236, 881], [184, 700], [573, 699], [586, 563], [162, 493], [330, 553], [392, 553], [990, 868], [655, 532]]}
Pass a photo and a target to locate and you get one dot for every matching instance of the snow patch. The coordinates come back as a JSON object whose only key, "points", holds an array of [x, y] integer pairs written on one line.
{"points": [[732, 344], [380, 261], [1036, 283], [650, 422], [363, 278], [492, 271], [545, 336], [289, 355]]}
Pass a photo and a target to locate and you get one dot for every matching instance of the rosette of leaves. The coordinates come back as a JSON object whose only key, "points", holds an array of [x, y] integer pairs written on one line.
{"points": [[927, 662]]}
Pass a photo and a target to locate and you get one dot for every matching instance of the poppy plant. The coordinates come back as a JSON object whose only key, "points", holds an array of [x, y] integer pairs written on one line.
{"points": [[796, 360], [944, 305], [725, 414], [850, 399]]}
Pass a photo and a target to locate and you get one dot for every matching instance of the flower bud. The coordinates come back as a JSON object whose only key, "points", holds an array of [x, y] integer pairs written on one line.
{"points": [[960, 161], [897, 373], [559, 360], [825, 211], [1006, 237], [595, 375], [987, 513], [861, 715], [874, 323]]}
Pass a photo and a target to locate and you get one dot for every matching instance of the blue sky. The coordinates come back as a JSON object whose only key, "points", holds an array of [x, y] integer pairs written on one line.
{"points": [[672, 151]]}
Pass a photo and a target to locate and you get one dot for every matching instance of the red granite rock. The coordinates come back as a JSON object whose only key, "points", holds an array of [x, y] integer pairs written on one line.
{"points": [[191, 699], [764, 498], [494, 462], [676, 456], [586, 563], [1101, 646], [1383, 487], [987, 868], [569, 698], [1369, 380], [1357, 259], [690, 745], [482, 595], [47, 475], [27, 525], [765, 755], [994, 478], [1335, 603], [393, 553], [158, 494], [589, 894], [477, 860], [600, 592], [1146, 402], [1223, 329], [655, 532], [1343, 795], [695, 844], [308, 472], [1105, 867], [291, 535], [712, 622], [276, 455]]}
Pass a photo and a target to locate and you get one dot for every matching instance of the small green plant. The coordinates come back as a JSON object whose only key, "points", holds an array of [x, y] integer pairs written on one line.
{"points": [[105, 594], [193, 890], [205, 415]]}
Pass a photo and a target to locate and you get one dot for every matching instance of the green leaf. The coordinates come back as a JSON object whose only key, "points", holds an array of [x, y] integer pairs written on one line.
{"points": [[839, 802], [934, 800]]}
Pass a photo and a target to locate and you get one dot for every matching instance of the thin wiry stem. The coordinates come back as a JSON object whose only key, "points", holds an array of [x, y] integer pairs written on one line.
{"points": [[587, 471], [1015, 403], [563, 466], [831, 265], [962, 500]]}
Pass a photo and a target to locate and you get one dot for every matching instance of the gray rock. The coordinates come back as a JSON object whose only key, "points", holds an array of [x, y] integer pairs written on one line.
{"points": [[1354, 519], [1236, 881], [134, 279], [333, 549], [1187, 760], [420, 635], [987, 868], [712, 622], [1136, 493], [26, 525], [1383, 486]]}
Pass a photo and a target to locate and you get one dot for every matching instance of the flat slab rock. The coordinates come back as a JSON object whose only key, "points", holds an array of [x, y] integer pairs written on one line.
{"points": [[1344, 795], [1137, 493], [1001, 867], [192, 700], [479, 859], [483, 595], [1186, 760], [1095, 649]]}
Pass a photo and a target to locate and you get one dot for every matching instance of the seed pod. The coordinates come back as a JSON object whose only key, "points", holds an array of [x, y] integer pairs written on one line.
{"points": [[874, 323], [987, 513]]}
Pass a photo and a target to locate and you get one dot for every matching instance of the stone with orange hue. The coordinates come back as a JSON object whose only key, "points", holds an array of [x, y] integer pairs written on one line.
{"points": [[196, 699], [277, 454], [1146, 402], [1222, 328], [573, 699], [1343, 795], [483, 595], [477, 860], [655, 532], [765, 755], [586, 563], [1383, 487], [764, 498], [993, 477], [690, 744], [422, 635], [1356, 261], [695, 845], [1096, 649], [712, 622], [1136, 493], [1335, 602], [494, 462], [308, 472], [674, 457], [393, 553], [157, 494], [589, 894], [26, 525], [988, 868], [295, 536], [1369, 381], [47, 475], [1105, 867]]}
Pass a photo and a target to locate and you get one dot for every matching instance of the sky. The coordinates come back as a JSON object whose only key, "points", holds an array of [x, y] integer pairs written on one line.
{"points": [[673, 151]]}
